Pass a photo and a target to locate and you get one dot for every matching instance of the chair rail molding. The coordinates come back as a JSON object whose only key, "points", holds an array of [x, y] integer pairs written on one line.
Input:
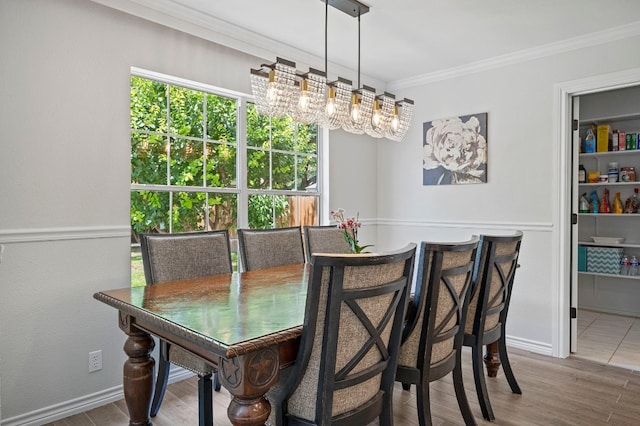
{"points": [[524, 226], [8, 236]]}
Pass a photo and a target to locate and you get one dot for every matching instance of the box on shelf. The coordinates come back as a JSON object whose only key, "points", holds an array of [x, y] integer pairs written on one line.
{"points": [[582, 258], [602, 137], [604, 260], [622, 141]]}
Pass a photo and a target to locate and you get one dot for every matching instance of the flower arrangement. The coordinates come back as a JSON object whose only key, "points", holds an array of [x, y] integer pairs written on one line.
{"points": [[349, 227]]}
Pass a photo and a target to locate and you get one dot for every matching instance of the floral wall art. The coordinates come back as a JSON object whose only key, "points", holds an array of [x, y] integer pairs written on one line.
{"points": [[455, 150]]}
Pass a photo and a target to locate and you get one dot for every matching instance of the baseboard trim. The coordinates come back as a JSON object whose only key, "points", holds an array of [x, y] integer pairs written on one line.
{"points": [[530, 345], [81, 404]]}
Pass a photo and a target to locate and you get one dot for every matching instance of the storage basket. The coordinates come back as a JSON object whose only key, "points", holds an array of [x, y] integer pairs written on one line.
{"points": [[604, 260]]}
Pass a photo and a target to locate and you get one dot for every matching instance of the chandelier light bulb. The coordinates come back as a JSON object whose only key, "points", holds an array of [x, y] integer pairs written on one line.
{"points": [[376, 117], [355, 108], [303, 101], [331, 102], [395, 121], [272, 91]]}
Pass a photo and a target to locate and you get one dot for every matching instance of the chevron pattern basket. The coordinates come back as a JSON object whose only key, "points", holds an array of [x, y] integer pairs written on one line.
{"points": [[604, 260]]}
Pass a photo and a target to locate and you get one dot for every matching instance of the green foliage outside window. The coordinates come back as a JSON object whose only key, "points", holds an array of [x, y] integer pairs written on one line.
{"points": [[183, 143]]}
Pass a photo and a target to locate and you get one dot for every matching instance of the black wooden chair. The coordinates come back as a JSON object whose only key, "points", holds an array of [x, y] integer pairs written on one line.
{"points": [[488, 307], [345, 368], [169, 257], [432, 336], [324, 239], [268, 248]]}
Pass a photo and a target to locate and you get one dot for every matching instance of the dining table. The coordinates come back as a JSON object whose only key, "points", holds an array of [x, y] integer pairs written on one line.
{"points": [[246, 324]]}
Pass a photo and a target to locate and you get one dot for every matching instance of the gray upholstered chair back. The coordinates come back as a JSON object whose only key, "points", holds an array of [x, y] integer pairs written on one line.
{"points": [[324, 239], [348, 354], [434, 334], [496, 269], [268, 248], [169, 257], [487, 312], [434, 330]]}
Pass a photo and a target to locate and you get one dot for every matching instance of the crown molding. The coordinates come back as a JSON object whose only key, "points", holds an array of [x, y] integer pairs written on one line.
{"points": [[190, 21], [593, 39]]}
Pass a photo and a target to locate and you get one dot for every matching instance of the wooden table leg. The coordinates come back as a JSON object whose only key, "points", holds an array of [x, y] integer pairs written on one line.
{"points": [[137, 372], [492, 359], [248, 378]]}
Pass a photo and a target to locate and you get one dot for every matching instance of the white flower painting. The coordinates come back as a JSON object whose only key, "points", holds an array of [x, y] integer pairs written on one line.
{"points": [[455, 150]]}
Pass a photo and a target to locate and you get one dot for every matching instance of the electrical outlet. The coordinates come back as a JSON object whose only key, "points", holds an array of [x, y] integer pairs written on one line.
{"points": [[95, 361]]}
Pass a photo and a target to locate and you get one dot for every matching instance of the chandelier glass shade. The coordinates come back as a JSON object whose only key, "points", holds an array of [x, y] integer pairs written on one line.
{"points": [[308, 97]]}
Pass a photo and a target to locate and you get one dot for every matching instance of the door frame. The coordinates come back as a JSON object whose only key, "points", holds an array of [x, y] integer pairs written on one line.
{"points": [[562, 127]]}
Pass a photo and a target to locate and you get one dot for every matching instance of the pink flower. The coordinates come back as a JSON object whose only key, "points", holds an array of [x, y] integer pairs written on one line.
{"points": [[349, 227]]}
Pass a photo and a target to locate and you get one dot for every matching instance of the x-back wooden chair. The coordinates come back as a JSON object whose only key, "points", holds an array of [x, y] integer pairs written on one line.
{"points": [[345, 368], [432, 337], [488, 307]]}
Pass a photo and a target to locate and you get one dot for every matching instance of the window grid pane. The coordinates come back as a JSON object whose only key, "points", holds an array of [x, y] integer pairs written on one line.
{"points": [[184, 148]]}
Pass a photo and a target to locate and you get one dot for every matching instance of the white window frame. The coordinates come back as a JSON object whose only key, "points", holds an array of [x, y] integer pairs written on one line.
{"points": [[241, 189]]}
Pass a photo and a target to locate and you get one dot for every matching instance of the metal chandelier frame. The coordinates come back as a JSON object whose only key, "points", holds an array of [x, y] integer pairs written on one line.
{"points": [[308, 97]]}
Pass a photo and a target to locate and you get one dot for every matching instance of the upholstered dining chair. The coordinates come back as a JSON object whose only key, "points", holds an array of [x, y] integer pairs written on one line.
{"points": [[268, 248], [432, 336], [345, 367], [169, 257], [488, 307], [324, 239]]}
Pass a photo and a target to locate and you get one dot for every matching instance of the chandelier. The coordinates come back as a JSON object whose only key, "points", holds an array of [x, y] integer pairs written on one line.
{"points": [[308, 97]]}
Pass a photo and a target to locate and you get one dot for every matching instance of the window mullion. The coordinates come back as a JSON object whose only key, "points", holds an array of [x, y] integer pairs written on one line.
{"points": [[168, 151], [241, 165]]}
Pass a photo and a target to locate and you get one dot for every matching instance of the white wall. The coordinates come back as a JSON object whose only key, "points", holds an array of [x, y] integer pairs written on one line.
{"points": [[64, 189], [64, 183], [523, 180]]}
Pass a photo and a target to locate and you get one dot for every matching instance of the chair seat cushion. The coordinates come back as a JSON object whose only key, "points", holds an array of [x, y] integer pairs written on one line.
{"points": [[184, 359]]}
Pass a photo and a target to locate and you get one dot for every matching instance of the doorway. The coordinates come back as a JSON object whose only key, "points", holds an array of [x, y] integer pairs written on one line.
{"points": [[587, 323]]}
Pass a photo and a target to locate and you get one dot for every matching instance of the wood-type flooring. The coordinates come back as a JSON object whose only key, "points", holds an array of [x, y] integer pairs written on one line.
{"points": [[556, 391]]}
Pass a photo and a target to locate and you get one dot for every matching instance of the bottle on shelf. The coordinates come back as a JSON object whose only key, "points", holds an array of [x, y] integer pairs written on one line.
{"points": [[631, 205], [605, 207], [613, 172], [618, 208], [584, 203], [582, 174], [633, 267], [624, 265], [590, 142], [594, 203]]}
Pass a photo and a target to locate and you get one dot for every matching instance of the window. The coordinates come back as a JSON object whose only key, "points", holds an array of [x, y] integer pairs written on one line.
{"points": [[202, 158], [282, 171]]}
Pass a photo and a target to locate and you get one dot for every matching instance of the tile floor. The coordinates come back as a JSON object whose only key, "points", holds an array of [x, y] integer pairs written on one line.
{"points": [[609, 339]]}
